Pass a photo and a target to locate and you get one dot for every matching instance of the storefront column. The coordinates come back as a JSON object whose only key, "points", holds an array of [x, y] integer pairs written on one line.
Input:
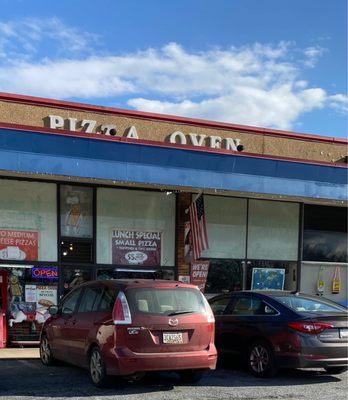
{"points": [[183, 201]]}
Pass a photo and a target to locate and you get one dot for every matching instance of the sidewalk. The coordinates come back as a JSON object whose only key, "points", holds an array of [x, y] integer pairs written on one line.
{"points": [[22, 353]]}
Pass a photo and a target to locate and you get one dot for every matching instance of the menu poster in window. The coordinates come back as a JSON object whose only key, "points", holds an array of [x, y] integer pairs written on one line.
{"points": [[46, 296], [30, 293], [76, 211], [268, 279], [136, 247], [19, 245], [199, 273]]}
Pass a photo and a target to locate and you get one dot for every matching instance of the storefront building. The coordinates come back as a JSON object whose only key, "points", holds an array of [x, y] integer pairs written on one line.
{"points": [[92, 192]]}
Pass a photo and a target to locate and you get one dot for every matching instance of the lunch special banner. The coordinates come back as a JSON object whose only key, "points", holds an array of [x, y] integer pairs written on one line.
{"points": [[19, 245], [199, 273], [136, 247]]}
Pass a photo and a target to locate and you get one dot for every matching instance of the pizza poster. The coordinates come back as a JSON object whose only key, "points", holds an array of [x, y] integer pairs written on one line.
{"points": [[46, 296], [19, 245], [199, 273], [136, 247]]}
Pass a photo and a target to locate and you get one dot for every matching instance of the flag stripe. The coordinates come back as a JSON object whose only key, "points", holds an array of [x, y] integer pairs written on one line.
{"points": [[198, 227]]}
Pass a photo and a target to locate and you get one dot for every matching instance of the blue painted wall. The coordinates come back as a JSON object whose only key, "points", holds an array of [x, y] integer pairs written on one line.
{"points": [[85, 157]]}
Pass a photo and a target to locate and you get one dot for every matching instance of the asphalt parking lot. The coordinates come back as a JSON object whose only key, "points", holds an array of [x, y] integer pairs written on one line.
{"points": [[28, 379]]}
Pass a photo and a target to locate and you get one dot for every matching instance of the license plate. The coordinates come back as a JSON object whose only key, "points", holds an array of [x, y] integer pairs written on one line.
{"points": [[172, 338], [344, 333]]}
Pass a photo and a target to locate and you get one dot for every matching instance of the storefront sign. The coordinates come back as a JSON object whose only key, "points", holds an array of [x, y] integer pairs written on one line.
{"points": [[46, 296], [199, 273], [134, 247], [18, 245], [192, 139], [44, 272], [268, 279]]}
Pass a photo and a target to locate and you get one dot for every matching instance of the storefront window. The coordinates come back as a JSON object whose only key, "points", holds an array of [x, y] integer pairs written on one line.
{"points": [[76, 251], [31, 291], [226, 227], [28, 221], [72, 277], [135, 228], [76, 211], [271, 275], [119, 273], [317, 279], [325, 234], [273, 230], [224, 276]]}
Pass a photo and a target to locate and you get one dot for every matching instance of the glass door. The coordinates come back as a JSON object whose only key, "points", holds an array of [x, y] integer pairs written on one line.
{"points": [[72, 276]]}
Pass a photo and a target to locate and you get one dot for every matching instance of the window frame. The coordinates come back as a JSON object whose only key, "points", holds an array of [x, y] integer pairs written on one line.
{"points": [[252, 297], [105, 289], [68, 296], [96, 301], [221, 297]]}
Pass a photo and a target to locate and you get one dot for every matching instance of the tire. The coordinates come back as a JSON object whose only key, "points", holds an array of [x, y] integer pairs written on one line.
{"points": [[260, 360], [191, 375], [335, 370], [97, 369], [46, 356]]}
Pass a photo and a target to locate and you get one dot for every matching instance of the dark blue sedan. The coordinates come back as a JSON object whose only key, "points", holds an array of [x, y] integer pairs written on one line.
{"points": [[273, 330]]}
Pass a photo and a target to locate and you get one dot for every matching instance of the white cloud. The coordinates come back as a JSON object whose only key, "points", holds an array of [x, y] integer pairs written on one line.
{"points": [[312, 55], [339, 102], [252, 106], [258, 84], [22, 39]]}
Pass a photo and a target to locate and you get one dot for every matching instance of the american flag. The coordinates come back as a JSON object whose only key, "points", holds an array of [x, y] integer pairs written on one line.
{"points": [[198, 227]]}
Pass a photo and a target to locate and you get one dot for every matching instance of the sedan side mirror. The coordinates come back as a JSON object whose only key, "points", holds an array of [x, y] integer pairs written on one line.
{"points": [[53, 310]]}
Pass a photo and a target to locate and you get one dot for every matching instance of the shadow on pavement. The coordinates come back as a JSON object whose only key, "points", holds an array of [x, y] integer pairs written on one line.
{"points": [[30, 378]]}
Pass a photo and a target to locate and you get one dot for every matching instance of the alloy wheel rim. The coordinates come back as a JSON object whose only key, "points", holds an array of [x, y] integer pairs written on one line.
{"points": [[45, 350], [259, 359], [95, 365]]}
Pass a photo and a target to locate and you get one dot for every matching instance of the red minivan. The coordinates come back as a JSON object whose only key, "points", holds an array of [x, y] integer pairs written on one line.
{"points": [[128, 327]]}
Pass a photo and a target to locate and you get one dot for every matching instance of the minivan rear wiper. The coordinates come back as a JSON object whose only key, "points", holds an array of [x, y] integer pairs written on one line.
{"points": [[181, 312]]}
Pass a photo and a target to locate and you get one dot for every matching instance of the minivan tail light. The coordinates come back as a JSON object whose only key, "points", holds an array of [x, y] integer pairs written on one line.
{"points": [[121, 313], [311, 328], [208, 311]]}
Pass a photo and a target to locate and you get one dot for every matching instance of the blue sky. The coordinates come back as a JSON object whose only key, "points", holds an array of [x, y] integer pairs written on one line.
{"points": [[271, 63]]}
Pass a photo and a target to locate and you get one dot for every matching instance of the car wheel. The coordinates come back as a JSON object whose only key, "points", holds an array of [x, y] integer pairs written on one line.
{"points": [[46, 356], [97, 369], [335, 370], [260, 360], [191, 375]]}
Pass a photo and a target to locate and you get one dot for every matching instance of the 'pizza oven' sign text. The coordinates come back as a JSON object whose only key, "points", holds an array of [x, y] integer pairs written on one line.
{"points": [[178, 137]]}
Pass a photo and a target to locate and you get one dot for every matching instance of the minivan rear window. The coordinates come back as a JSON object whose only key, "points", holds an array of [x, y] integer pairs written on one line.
{"points": [[165, 301]]}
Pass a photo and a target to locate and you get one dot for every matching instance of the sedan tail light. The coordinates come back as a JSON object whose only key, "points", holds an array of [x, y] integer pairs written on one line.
{"points": [[121, 313], [311, 328]]}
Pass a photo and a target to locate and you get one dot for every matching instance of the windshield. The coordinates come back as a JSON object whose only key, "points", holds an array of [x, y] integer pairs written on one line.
{"points": [[165, 301], [305, 304]]}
